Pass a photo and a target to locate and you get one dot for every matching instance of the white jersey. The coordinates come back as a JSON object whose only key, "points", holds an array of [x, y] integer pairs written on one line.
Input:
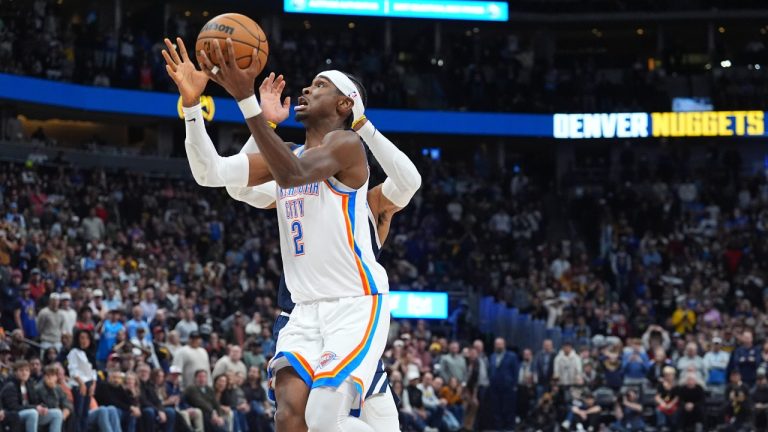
{"points": [[325, 242]]}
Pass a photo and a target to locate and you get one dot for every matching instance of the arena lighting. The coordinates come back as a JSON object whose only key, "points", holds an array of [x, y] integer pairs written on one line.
{"points": [[423, 305], [80, 98], [433, 9], [725, 63]]}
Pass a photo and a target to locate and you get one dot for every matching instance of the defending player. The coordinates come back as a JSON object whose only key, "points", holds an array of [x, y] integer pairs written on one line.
{"points": [[328, 259], [384, 200]]}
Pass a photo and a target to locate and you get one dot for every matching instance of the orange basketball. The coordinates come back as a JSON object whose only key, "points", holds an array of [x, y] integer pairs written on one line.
{"points": [[245, 33]]}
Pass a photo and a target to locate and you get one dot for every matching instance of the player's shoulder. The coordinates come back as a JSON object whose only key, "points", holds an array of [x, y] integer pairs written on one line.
{"points": [[341, 137]]}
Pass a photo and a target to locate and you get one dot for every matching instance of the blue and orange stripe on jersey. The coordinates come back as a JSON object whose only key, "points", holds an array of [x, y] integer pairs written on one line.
{"points": [[348, 200], [335, 377]]}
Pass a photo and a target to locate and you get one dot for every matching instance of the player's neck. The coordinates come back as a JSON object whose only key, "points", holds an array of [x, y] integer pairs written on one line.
{"points": [[317, 131]]}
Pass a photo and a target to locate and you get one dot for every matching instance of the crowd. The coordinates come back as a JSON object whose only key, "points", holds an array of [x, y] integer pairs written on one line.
{"points": [[118, 304], [480, 70]]}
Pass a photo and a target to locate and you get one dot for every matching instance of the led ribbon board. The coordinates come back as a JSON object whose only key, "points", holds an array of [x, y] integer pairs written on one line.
{"points": [[566, 126], [425, 305], [433, 9]]}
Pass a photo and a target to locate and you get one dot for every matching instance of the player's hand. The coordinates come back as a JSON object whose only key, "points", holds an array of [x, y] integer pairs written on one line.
{"points": [[237, 82], [190, 81], [269, 94]]}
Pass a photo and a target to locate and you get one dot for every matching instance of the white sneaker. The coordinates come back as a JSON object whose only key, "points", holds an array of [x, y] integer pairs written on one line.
{"points": [[566, 424], [431, 429], [580, 428]]}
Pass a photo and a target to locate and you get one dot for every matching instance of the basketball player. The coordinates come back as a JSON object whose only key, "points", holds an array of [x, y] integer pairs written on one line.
{"points": [[328, 259], [380, 410]]}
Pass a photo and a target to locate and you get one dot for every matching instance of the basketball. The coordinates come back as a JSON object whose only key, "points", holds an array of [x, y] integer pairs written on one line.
{"points": [[245, 33]]}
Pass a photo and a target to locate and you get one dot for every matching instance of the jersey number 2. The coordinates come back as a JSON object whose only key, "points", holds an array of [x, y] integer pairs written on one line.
{"points": [[298, 234]]}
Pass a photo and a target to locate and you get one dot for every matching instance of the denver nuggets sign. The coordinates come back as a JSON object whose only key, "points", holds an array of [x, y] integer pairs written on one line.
{"points": [[659, 124]]}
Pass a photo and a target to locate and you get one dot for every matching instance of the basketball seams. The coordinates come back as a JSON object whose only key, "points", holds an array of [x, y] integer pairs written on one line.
{"points": [[233, 40], [255, 36]]}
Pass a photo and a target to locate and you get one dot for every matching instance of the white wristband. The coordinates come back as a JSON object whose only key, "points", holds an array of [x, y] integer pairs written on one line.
{"points": [[249, 107]]}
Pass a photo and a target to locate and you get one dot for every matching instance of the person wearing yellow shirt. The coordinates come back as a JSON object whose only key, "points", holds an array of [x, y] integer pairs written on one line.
{"points": [[684, 318]]}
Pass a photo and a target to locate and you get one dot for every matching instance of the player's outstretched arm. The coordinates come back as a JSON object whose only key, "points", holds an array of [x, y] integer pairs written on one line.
{"points": [[263, 195], [208, 168], [340, 150], [403, 179]]}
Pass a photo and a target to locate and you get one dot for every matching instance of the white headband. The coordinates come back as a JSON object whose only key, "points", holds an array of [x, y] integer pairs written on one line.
{"points": [[346, 86]]}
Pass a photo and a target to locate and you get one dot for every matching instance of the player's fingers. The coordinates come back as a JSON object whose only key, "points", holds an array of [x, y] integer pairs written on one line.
{"points": [[277, 81], [207, 66], [172, 51], [255, 63], [231, 52], [218, 55], [280, 87], [266, 84], [171, 73], [287, 102], [168, 60], [182, 49]]}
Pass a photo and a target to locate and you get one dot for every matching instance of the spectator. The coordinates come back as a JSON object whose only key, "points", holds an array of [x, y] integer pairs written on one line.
{"points": [[10, 306], [567, 369], [93, 227], [186, 326], [656, 368], [190, 359], [50, 323], [667, 400], [112, 393], [629, 413], [544, 365], [526, 385], [230, 363], [52, 397], [691, 399], [27, 314], [745, 359], [109, 329], [503, 374], [80, 362], [760, 400], [152, 408], [68, 314], [453, 364], [201, 396], [260, 408], [635, 362], [716, 364], [137, 322], [21, 399], [585, 414], [170, 390], [692, 362]]}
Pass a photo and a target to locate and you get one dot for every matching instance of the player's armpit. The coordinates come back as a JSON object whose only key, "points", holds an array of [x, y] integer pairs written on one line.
{"points": [[258, 172], [383, 210], [341, 155]]}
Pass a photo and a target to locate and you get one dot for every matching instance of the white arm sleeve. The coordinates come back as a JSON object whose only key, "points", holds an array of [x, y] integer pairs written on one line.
{"points": [[260, 196], [403, 179], [208, 168]]}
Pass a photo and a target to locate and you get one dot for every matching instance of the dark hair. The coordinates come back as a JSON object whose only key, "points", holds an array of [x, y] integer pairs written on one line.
{"points": [[20, 364], [363, 95]]}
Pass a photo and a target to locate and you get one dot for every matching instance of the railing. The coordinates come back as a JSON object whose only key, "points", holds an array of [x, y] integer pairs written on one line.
{"points": [[518, 329]]}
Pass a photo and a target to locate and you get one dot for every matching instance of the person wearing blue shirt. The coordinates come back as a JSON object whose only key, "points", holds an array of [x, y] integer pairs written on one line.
{"points": [[716, 364], [503, 373], [138, 322], [109, 330], [636, 363], [28, 322], [746, 359]]}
